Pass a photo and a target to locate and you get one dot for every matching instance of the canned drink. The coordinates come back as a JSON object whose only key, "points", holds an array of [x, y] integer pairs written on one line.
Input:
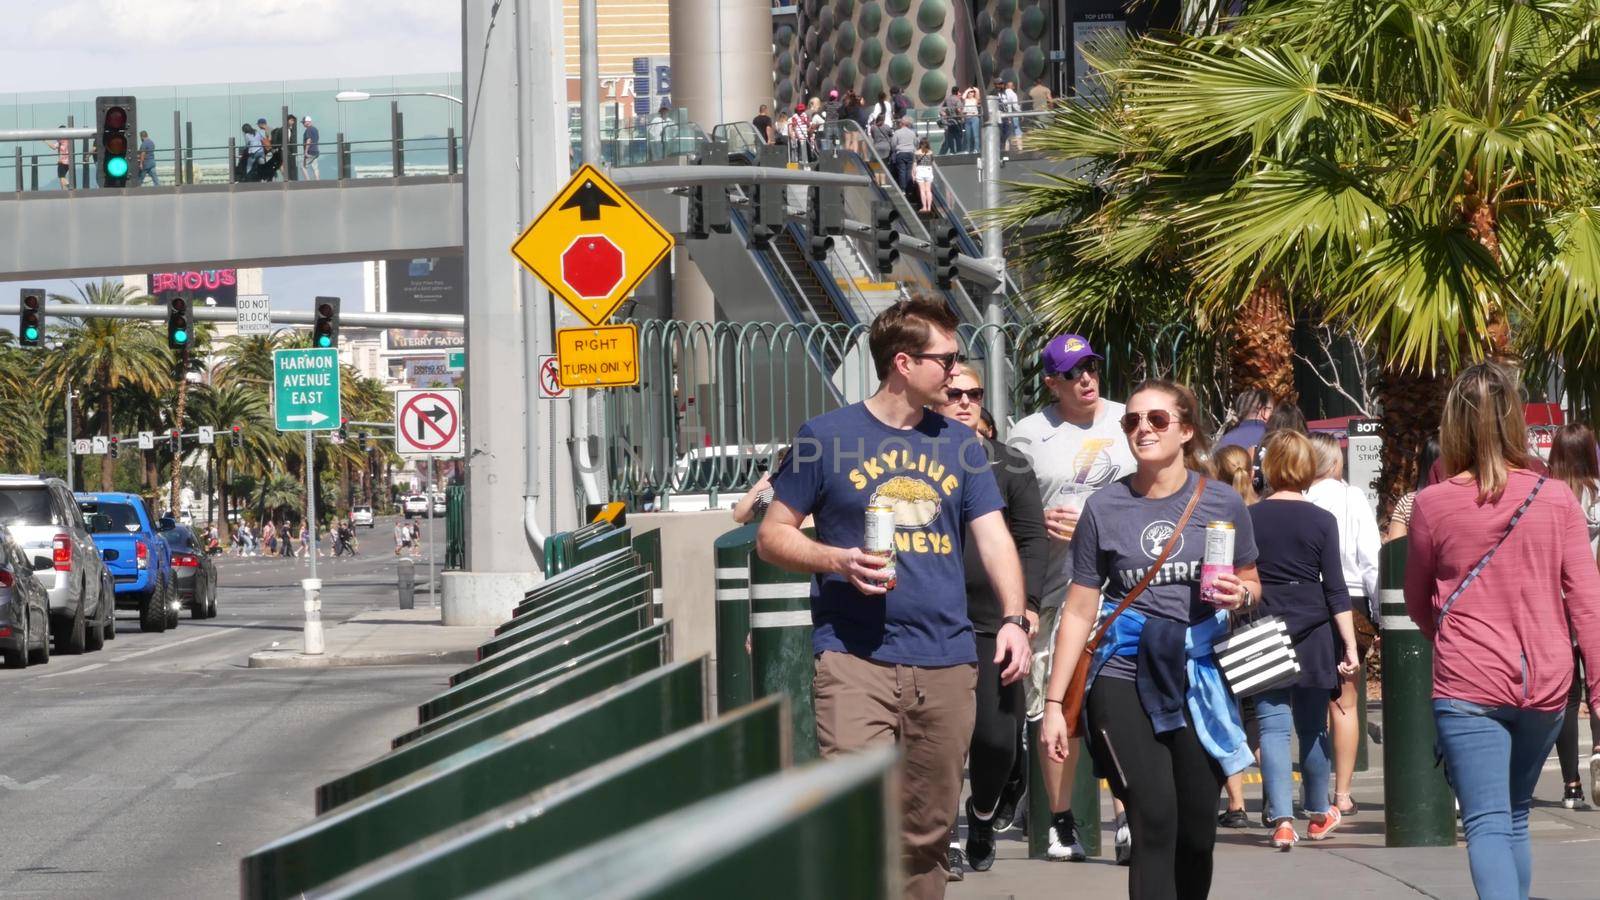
{"points": [[1218, 558], [880, 539]]}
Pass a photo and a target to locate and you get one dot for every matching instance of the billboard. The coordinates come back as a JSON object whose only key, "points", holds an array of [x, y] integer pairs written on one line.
{"points": [[424, 371], [433, 285], [219, 285]]}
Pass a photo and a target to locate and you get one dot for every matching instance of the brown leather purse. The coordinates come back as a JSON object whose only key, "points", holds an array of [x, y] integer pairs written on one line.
{"points": [[1072, 703]]}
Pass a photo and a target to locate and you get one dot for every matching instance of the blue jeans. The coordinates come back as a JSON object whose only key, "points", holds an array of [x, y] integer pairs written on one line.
{"points": [[1308, 708], [1492, 758], [973, 143]]}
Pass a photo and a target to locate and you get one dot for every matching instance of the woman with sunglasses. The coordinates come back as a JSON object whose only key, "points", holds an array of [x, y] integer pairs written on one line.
{"points": [[1161, 724], [998, 729]]}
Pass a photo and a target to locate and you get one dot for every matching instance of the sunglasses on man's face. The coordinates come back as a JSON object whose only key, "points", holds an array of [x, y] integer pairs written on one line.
{"points": [[954, 395], [1090, 365], [946, 360], [1160, 420]]}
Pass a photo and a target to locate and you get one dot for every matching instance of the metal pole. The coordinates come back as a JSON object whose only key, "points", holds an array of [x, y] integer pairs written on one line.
{"points": [[339, 156], [18, 150], [394, 138], [589, 76], [432, 485], [233, 155], [453, 163], [69, 441], [994, 253], [400, 145], [177, 147], [188, 153], [312, 586], [33, 178], [72, 168]]}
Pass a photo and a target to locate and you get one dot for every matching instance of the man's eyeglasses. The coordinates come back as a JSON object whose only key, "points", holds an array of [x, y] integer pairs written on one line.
{"points": [[1160, 420], [954, 395], [1090, 365], [946, 360]]}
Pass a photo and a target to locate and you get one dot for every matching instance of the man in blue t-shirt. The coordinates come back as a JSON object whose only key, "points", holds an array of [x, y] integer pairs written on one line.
{"points": [[900, 664]]}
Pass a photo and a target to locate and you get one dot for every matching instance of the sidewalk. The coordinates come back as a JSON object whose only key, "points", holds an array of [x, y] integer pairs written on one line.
{"points": [[382, 637], [1353, 863]]}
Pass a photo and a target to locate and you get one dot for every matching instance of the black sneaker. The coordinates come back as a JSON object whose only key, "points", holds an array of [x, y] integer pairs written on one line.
{"points": [[980, 841], [1064, 844], [958, 866], [1233, 818], [1005, 813], [1573, 798]]}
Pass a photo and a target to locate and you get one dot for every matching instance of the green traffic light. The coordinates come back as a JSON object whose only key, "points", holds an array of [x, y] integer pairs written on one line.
{"points": [[31, 333], [181, 336], [116, 167], [322, 340]]}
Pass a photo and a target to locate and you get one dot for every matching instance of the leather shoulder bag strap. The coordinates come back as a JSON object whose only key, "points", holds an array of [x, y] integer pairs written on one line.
{"points": [[1183, 522], [1473, 574]]}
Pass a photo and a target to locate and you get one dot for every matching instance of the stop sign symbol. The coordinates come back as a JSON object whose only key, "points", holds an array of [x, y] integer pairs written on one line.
{"points": [[592, 266]]}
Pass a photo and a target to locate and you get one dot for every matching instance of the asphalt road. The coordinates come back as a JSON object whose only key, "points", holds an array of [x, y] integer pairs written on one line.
{"points": [[149, 768]]}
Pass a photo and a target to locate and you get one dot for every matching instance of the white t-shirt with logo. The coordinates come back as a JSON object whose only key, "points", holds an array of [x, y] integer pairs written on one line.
{"points": [[1071, 462]]}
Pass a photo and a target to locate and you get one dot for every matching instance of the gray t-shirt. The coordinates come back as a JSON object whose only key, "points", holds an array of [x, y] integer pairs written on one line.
{"points": [[1071, 462], [904, 140], [1121, 534]]}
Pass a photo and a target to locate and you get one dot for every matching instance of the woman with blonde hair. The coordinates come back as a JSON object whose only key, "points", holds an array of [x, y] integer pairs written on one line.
{"points": [[1358, 558], [1234, 466], [1499, 564]]}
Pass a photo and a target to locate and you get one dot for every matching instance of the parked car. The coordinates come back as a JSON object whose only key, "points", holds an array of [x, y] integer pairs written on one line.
{"points": [[195, 570], [730, 468], [139, 559], [44, 521], [415, 505], [24, 606], [438, 504], [361, 515]]}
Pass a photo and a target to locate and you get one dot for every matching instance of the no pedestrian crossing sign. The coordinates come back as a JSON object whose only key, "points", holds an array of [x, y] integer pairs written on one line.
{"points": [[305, 389], [592, 245], [428, 422]]}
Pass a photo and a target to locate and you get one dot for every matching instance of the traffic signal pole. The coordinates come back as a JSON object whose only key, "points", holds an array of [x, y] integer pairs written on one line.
{"points": [[994, 253], [312, 586]]}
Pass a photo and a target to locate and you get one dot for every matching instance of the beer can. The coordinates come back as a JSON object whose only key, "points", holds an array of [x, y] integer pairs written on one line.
{"points": [[880, 540], [1218, 558]]}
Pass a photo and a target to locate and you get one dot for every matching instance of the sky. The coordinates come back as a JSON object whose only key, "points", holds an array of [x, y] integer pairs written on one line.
{"points": [[86, 44]]}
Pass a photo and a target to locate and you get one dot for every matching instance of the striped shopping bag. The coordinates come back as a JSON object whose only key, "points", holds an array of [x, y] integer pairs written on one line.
{"points": [[1258, 657]]}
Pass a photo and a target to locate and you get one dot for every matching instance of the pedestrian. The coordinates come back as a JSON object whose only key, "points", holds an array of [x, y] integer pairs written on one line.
{"points": [[800, 136], [271, 153], [1161, 724], [269, 537], [816, 125], [1499, 566], [312, 149], [995, 752], [895, 660], [1302, 581], [1573, 459], [763, 126], [1358, 562], [884, 109], [1011, 105], [658, 130], [255, 154], [147, 161], [971, 118], [1247, 421], [753, 505], [63, 148], [832, 113], [402, 537], [901, 101], [922, 174], [902, 149], [291, 147], [1039, 100], [850, 122], [883, 147], [950, 117], [1076, 447], [286, 542], [1400, 516], [1235, 467]]}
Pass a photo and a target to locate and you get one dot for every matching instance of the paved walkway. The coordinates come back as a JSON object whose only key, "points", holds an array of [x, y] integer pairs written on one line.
{"points": [[382, 637], [1352, 864]]}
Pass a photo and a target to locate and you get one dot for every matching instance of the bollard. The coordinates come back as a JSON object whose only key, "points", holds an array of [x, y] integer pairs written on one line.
{"points": [[406, 575], [733, 550], [313, 635], [1362, 762], [1085, 799], [1418, 809], [780, 646]]}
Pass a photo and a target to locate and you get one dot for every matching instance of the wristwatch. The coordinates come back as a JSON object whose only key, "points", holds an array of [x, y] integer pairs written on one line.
{"points": [[1019, 621]]}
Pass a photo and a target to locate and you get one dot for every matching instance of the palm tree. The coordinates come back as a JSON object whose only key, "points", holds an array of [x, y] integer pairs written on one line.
{"points": [[98, 356], [278, 494], [23, 407], [225, 407], [1417, 170]]}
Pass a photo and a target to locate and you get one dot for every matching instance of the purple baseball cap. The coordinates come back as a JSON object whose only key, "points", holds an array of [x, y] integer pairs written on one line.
{"points": [[1065, 351]]}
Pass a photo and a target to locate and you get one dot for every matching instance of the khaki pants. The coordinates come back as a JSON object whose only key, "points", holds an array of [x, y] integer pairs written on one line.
{"points": [[929, 712]]}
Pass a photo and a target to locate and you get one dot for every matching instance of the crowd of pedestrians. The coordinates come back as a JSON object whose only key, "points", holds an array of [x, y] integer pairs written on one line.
{"points": [[1061, 590], [285, 150]]}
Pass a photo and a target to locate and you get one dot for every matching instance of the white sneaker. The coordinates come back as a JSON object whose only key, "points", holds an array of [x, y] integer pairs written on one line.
{"points": [[1124, 842], [1065, 847]]}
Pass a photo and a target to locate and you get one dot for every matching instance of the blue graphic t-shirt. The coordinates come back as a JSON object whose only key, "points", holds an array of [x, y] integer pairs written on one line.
{"points": [[936, 476]]}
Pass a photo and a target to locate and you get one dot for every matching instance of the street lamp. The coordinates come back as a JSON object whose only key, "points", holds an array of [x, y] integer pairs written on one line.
{"points": [[358, 96]]}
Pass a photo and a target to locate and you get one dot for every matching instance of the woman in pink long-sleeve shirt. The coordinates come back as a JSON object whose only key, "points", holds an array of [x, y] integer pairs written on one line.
{"points": [[1502, 659]]}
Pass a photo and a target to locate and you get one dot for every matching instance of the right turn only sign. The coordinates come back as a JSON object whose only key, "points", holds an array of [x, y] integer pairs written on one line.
{"points": [[428, 422]]}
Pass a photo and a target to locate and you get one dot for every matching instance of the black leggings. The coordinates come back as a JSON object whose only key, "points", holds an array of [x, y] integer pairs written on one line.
{"points": [[996, 733], [1169, 785], [1567, 740]]}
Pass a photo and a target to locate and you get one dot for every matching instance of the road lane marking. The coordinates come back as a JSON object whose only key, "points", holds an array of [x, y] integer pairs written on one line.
{"points": [[89, 668], [189, 640]]}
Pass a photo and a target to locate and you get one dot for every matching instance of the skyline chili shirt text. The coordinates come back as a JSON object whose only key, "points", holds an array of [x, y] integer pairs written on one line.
{"points": [[937, 478]]}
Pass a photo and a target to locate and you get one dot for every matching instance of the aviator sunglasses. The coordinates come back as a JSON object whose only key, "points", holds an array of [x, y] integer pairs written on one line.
{"points": [[1159, 420]]}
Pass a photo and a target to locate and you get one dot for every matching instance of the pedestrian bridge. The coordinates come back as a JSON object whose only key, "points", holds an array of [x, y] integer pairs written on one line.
{"points": [[56, 234]]}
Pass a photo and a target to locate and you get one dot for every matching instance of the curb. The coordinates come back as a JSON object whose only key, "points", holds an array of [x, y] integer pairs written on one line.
{"points": [[293, 659]]}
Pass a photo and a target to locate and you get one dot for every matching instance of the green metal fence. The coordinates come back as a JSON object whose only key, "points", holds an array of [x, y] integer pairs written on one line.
{"points": [[455, 526]]}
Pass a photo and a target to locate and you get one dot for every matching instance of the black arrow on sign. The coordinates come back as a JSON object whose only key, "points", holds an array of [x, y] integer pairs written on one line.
{"points": [[435, 413], [587, 200]]}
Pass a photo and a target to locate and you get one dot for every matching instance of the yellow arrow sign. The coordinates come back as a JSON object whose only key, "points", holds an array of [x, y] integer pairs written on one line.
{"points": [[592, 245]]}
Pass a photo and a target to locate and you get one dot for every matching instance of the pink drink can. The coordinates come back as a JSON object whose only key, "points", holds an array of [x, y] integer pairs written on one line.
{"points": [[1218, 558]]}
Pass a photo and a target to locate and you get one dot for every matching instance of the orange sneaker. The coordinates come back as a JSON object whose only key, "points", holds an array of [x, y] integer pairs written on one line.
{"points": [[1284, 837], [1322, 828]]}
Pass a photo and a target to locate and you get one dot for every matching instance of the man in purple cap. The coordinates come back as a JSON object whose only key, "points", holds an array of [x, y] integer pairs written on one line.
{"points": [[1076, 447]]}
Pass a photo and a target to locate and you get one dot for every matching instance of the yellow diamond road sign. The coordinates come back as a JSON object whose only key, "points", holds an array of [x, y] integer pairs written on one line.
{"points": [[592, 245]]}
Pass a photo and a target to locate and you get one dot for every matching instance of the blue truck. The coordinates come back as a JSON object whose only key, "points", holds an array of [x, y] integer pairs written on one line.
{"points": [[124, 529]]}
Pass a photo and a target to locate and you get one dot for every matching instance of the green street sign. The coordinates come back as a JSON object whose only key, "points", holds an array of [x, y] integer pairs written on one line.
{"points": [[305, 389], [456, 360]]}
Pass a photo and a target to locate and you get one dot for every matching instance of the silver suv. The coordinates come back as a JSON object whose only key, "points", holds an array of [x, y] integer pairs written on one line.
{"points": [[44, 520]]}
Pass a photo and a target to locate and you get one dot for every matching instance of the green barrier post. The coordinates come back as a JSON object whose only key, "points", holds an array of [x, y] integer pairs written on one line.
{"points": [[780, 646], [1418, 808], [648, 547], [601, 595], [1085, 799], [733, 551]]}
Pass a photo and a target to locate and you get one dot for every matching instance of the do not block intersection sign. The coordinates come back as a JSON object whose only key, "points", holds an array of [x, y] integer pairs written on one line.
{"points": [[428, 422]]}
